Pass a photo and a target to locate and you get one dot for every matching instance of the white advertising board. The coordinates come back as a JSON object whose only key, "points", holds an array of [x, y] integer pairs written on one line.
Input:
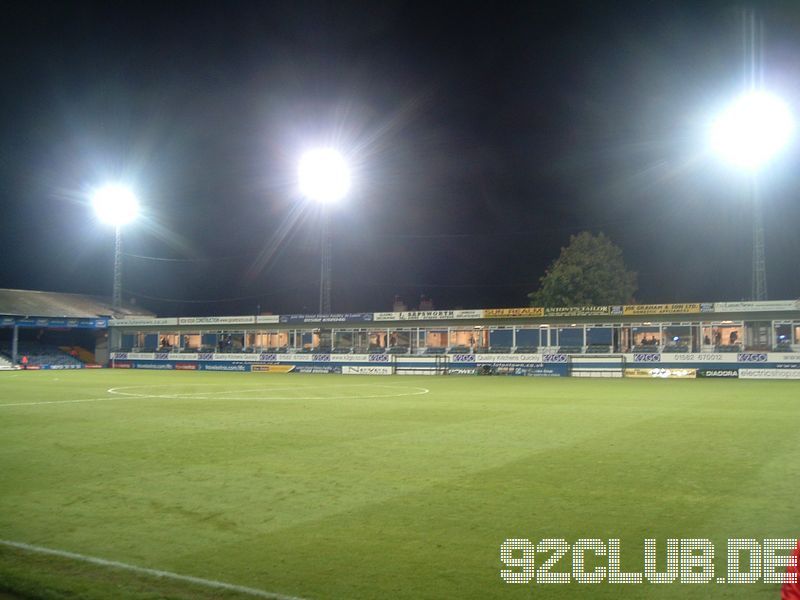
{"points": [[268, 319], [769, 374], [386, 316], [377, 370], [508, 358], [757, 306], [143, 322], [235, 320]]}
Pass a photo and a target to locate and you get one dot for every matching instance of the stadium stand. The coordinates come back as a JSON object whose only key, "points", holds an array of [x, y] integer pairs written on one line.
{"points": [[598, 349], [647, 349], [58, 329], [673, 348], [42, 354], [30, 303], [5, 363], [731, 348], [570, 350], [434, 350], [460, 350], [616, 343], [82, 354], [526, 349]]}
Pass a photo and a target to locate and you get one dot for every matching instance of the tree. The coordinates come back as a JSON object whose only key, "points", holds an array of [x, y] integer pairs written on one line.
{"points": [[589, 272]]}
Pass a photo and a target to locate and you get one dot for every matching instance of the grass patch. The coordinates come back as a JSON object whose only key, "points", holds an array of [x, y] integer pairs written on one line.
{"points": [[367, 487]]}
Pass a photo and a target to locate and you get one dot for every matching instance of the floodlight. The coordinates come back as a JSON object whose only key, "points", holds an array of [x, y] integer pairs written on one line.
{"points": [[324, 176], [115, 204], [751, 130]]}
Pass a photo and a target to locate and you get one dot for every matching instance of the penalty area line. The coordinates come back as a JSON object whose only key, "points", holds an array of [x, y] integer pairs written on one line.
{"points": [[113, 564]]}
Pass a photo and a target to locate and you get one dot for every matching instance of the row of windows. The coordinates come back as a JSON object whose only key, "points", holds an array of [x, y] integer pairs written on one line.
{"points": [[656, 337]]}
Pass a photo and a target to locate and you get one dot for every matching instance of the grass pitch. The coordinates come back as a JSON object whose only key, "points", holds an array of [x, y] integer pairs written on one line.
{"points": [[378, 487]]}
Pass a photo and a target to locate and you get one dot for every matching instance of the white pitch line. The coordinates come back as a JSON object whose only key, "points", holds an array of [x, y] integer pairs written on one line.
{"points": [[119, 395], [417, 391], [210, 583], [56, 402]]}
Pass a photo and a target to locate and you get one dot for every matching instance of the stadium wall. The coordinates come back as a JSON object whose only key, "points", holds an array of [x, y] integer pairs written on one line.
{"points": [[764, 365]]}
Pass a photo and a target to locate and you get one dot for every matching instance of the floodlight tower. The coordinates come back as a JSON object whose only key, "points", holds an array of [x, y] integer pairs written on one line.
{"points": [[117, 206], [324, 178], [747, 134]]}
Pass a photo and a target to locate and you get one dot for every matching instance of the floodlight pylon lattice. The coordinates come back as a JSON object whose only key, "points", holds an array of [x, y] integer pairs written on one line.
{"points": [[326, 270], [759, 290], [324, 177], [116, 298], [116, 205], [749, 133]]}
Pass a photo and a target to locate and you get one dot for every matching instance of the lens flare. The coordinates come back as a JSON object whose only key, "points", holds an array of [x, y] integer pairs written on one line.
{"points": [[324, 175], [751, 130], [115, 204]]}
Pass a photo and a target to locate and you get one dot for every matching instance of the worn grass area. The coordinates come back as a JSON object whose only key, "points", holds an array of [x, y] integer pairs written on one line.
{"points": [[370, 487]]}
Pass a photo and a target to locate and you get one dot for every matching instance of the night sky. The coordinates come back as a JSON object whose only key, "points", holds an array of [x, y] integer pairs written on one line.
{"points": [[481, 137]]}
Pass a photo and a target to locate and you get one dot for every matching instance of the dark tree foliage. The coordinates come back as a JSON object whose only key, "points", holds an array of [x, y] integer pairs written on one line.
{"points": [[589, 271]]}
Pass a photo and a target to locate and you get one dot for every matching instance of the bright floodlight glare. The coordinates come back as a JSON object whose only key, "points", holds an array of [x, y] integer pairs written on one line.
{"points": [[115, 204], [751, 130], [324, 176]]}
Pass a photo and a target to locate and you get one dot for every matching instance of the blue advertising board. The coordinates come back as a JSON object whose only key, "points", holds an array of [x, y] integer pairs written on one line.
{"points": [[54, 323]]}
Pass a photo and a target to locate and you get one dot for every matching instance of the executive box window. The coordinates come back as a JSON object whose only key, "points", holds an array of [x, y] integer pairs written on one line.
{"points": [[787, 336], [267, 340], [229, 341], [501, 340], [436, 338], [758, 335], [599, 338], [343, 340], [645, 338], [677, 338], [467, 339], [307, 340], [400, 339], [528, 339], [360, 341], [169, 341], [784, 336], [726, 336], [570, 339], [190, 342]]}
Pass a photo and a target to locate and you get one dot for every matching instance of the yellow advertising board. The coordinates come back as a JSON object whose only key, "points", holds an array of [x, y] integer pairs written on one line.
{"points": [[503, 313], [661, 309], [659, 373], [259, 368]]}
